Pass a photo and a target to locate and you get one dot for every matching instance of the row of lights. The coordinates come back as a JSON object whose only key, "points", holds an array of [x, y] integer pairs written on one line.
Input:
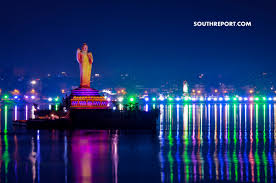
{"points": [[50, 99], [17, 97], [211, 99]]}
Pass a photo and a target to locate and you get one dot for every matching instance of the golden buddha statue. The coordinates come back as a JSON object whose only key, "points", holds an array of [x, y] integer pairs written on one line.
{"points": [[85, 60]]}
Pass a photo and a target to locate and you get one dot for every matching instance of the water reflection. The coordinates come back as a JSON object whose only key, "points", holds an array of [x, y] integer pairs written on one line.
{"points": [[193, 143], [225, 155]]}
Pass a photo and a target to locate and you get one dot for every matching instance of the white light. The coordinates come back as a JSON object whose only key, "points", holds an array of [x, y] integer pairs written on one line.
{"points": [[209, 98], [16, 97], [226, 98], [161, 98], [108, 99], [240, 98], [193, 99], [274, 98], [251, 98], [33, 82], [177, 99], [146, 99], [220, 98], [32, 97], [215, 99], [245, 98], [120, 99], [201, 98], [26, 96], [50, 99], [114, 108], [107, 91], [269, 98]]}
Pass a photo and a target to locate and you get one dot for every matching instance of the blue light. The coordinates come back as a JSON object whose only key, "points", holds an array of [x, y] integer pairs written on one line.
{"points": [[269, 98], [245, 98], [146, 99], [16, 97]]}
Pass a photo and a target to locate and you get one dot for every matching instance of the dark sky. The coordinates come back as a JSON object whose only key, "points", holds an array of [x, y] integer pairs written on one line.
{"points": [[151, 39]]}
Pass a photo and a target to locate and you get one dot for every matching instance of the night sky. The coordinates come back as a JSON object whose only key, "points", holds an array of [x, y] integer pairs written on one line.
{"points": [[154, 40]]}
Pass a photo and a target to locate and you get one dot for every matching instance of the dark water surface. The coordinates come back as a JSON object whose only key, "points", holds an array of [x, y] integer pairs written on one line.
{"points": [[192, 143]]}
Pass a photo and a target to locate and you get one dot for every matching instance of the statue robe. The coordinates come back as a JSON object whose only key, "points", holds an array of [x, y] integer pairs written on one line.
{"points": [[85, 71]]}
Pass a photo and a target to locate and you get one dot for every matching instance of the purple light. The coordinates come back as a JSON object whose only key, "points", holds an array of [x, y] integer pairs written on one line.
{"points": [[85, 92]]}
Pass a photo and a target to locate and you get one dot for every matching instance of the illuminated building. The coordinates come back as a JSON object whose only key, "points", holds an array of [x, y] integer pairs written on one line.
{"points": [[185, 88]]}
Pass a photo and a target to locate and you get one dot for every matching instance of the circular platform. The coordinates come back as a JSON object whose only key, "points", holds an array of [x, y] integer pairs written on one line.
{"points": [[87, 98], [85, 92]]}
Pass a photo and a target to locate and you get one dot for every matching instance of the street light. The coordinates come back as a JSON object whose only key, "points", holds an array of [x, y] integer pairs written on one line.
{"points": [[33, 82]]}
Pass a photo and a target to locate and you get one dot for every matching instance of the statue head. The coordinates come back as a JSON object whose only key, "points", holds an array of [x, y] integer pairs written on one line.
{"points": [[84, 48]]}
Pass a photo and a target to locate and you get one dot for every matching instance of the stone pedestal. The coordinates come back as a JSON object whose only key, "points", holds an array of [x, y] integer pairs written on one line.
{"points": [[87, 98]]}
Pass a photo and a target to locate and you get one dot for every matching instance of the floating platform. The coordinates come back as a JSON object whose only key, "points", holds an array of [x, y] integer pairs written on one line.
{"points": [[114, 119], [20, 122], [96, 119]]}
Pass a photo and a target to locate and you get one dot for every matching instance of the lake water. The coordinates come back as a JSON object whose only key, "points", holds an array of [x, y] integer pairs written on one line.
{"points": [[192, 143]]}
